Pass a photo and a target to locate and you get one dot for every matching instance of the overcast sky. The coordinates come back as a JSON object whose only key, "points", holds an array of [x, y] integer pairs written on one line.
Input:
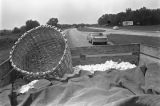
{"points": [[16, 12]]}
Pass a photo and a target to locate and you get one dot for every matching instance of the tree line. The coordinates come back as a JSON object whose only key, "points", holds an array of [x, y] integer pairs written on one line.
{"points": [[29, 24], [52, 21], [142, 16], [32, 24]]}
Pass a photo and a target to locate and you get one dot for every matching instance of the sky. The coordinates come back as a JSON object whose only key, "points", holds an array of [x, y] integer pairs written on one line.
{"points": [[14, 13]]}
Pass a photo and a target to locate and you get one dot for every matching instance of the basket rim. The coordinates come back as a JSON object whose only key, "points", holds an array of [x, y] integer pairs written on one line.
{"points": [[38, 73]]}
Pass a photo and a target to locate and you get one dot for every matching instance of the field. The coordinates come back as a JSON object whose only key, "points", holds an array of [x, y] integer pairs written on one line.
{"points": [[136, 28], [126, 39], [86, 29], [142, 28], [6, 42]]}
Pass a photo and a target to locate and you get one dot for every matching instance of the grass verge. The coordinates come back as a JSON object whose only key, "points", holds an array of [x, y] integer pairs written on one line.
{"points": [[6, 43], [126, 39], [142, 28], [86, 29]]}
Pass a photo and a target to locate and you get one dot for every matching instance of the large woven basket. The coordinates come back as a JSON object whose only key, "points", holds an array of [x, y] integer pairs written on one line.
{"points": [[42, 52]]}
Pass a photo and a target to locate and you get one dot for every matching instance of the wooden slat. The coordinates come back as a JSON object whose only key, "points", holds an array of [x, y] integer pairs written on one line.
{"points": [[106, 49], [103, 55]]}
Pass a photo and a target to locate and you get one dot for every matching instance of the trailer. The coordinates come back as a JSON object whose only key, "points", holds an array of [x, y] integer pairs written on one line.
{"points": [[132, 86], [134, 53]]}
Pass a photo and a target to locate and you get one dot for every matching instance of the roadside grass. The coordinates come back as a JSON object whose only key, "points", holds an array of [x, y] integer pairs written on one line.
{"points": [[136, 28], [4, 55], [6, 43], [127, 39], [142, 28], [87, 29]]}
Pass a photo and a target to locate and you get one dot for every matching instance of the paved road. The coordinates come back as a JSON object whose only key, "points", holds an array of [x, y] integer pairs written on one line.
{"points": [[77, 38]]}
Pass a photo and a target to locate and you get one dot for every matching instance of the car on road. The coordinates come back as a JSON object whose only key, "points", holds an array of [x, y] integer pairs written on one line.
{"points": [[116, 28], [97, 38]]}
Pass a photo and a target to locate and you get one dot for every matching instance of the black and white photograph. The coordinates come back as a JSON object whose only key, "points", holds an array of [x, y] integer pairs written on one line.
{"points": [[79, 52]]}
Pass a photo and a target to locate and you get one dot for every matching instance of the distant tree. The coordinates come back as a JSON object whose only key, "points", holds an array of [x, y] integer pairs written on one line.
{"points": [[103, 19], [16, 30], [64, 26], [81, 25], [31, 24], [128, 10], [155, 16], [5, 32], [23, 28], [142, 16], [129, 14], [53, 21], [75, 25]]}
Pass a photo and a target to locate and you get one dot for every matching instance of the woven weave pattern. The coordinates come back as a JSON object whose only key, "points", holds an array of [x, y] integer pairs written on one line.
{"points": [[42, 52]]}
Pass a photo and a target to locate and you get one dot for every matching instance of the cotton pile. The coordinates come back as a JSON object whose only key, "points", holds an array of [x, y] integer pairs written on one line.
{"points": [[28, 86], [106, 66], [91, 68]]}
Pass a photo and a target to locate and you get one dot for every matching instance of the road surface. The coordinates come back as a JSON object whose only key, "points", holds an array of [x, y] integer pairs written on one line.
{"points": [[79, 39]]}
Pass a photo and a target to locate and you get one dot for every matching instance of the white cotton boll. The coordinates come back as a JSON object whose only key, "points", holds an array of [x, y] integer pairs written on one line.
{"points": [[106, 66], [26, 87], [125, 65], [110, 64]]}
